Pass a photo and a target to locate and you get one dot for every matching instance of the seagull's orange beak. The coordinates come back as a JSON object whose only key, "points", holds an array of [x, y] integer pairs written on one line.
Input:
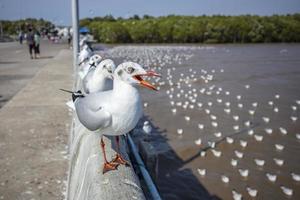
{"points": [[146, 83]]}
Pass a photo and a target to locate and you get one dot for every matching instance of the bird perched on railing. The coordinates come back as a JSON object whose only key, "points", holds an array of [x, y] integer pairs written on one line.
{"points": [[99, 77], [117, 111], [94, 60], [84, 54]]}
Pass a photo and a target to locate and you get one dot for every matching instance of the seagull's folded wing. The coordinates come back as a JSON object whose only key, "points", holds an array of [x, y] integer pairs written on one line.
{"points": [[92, 118]]}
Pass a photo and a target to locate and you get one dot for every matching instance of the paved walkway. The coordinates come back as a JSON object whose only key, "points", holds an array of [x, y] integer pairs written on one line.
{"points": [[35, 127], [17, 69]]}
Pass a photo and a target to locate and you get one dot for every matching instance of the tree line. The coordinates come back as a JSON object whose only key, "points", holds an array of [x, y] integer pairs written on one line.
{"points": [[195, 29], [14, 27]]}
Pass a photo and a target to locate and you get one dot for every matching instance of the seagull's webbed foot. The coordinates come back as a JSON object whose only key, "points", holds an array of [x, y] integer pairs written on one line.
{"points": [[120, 160], [108, 166]]}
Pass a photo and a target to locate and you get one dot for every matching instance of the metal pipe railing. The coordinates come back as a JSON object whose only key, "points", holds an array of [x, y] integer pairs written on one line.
{"points": [[148, 180]]}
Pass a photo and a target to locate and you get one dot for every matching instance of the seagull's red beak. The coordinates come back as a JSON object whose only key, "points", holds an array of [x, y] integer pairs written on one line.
{"points": [[146, 83]]}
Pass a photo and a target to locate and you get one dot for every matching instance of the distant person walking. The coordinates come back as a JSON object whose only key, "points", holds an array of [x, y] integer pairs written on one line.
{"points": [[37, 39], [69, 38], [21, 37], [30, 42]]}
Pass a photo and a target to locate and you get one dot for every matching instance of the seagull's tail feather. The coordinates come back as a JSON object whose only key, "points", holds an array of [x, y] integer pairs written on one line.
{"points": [[75, 95]]}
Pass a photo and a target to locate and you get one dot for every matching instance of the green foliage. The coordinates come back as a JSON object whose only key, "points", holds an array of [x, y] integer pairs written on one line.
{"points": [[196, 29], [13, 27]]}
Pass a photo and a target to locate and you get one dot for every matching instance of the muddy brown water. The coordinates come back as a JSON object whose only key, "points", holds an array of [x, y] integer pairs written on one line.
{"points": [[268, 69]]}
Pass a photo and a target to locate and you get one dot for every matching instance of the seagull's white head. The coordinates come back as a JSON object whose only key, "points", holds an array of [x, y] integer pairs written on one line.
{"points": [[106, 67], [132, 73], [95, 60]]}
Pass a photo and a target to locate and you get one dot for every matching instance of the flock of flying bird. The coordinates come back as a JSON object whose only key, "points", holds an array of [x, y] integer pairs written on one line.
{"points": [[185, 96], [110, 103]]}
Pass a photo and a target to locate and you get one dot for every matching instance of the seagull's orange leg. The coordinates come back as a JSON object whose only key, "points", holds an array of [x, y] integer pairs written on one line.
{"points": [[107, 165], [119, 158]]}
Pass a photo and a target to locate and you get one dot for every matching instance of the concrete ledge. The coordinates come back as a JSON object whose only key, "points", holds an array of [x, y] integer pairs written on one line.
{"points": [[86, 180]]}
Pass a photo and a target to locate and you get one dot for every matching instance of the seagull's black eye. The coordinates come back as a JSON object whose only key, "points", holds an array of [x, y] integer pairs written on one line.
{"points": [[130, 70]]}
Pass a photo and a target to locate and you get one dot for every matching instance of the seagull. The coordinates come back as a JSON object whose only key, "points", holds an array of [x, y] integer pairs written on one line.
{"points": [[279, 147], [258, 138], [174, 110], [243, 143], [117, 111], [227, 110], [271, 103], [244, 172], [283, 130], [269, 131], [84, 54], [198, 142], [287, 191], [218, 134], [179, 131], [298, 136], [238, 154], [247, 123], [296, 177], [211, 144], [236, 127], [294, 118], [271, 177], [201, 126], [147, 128], [202, 172], [216, 153], [94, 60], [251, 112], [233, 162], [252, 192], [240, 105], [235, 117], [259, 162], [229, 140], [225, 179], [266, 119], [250, 132], [214, 124], [278, 162], [187, 118], [99, 78], [236, 195], [254, 104], [294, 108]]}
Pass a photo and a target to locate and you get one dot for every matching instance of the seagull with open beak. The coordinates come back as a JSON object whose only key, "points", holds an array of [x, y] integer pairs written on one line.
{"points": [[117, 111]]}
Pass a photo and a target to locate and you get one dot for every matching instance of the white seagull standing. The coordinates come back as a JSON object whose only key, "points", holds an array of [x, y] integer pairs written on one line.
{"points": [[99, 78], [84, 54], [117, 111], [94, 60]]}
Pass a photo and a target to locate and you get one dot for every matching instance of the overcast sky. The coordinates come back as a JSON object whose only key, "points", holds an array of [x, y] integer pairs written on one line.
{"points": [[59, 11]]}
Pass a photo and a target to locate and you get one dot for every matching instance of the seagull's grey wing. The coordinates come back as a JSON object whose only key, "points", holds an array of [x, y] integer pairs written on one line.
{"points": [[91, 116], [86, 79]]}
